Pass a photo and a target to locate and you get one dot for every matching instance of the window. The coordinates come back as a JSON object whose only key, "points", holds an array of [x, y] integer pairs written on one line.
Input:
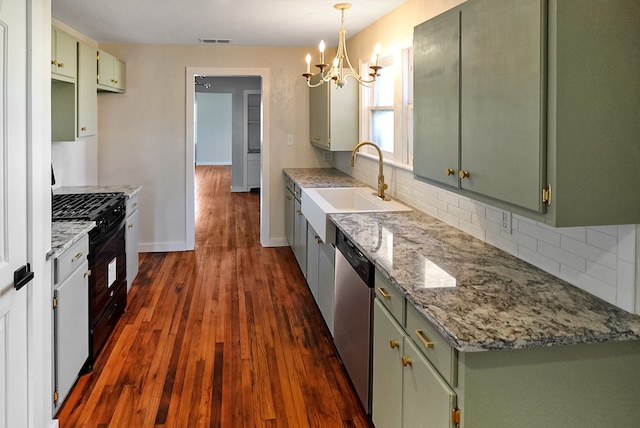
{"points": [[387, 107]]}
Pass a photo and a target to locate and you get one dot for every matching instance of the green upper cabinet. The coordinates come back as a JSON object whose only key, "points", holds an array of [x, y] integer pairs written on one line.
{"points": [[594, 112], [502, 149], [63, 56], [543, 99], [111, 73], [478, 93], [436, 68], [333, 115], [87, 122]]}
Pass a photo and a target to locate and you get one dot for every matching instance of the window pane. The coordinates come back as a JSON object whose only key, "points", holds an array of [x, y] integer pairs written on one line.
{"points": [[382, 129], [384, 86]]}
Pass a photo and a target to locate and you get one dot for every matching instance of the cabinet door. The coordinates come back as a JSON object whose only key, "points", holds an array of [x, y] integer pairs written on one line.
{"points": [[427, 399], [87, 95], [300, 238], [319, 114], [119, 74], [313, 251], [65, 60], [502, 91], [326, 282], [387, 369], [289, 214], [105, 69], [131, 247], [436, 68], [71, 330]]}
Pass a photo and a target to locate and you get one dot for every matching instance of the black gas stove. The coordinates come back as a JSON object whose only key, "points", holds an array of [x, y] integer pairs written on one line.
{"points": [[107, 259], [106, 209]]}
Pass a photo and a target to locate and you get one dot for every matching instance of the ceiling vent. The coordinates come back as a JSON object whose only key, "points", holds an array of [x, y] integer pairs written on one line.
{"points": [[210, 41]]}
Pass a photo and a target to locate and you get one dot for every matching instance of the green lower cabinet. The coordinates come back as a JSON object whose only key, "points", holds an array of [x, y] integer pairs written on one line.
{"points": [[387, 369], [407, 390]]}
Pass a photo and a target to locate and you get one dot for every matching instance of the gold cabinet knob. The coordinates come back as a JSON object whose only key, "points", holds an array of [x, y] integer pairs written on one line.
{"points": [[61, 64], [54, 62], [84, 128], [394, 344], [449, 171], [298, 212], [463, 174], [316, 138], [406, 361]]}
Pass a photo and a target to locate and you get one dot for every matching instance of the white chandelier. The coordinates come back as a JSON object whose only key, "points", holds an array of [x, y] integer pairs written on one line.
{"points": [[341, 67]]}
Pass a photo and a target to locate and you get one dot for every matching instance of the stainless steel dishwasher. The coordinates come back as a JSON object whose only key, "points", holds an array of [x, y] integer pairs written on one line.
{"points": [[352, 315]]}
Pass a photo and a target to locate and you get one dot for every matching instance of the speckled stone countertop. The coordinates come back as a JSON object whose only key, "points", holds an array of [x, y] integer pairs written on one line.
{"points": [[128, 190], [478, 297], [322, 177], [66, 233]]}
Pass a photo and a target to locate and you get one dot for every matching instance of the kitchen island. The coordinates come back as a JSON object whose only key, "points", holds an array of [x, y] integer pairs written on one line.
{"points": [[503, 343]]}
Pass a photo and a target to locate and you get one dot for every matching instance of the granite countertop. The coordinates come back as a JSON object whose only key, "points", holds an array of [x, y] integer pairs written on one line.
{"points": [[477, 296], [66, 233], [128, 189], [322, 177]]}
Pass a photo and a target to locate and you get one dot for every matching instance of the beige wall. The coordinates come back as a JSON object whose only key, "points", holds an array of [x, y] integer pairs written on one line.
{"points": [[142, 132]]}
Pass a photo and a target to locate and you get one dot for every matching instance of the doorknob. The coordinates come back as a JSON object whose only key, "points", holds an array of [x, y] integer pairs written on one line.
{"points": [[22, 276]]}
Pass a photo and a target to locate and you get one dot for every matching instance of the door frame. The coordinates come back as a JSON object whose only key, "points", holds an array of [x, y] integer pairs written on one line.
{"points": [[191, 73]]}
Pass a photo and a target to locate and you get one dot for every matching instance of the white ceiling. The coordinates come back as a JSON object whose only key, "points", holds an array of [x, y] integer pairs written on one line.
{"points": [[245, 22]]}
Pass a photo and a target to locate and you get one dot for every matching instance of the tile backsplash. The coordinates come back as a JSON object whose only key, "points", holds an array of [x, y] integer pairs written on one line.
{"points": [[602, 260]]}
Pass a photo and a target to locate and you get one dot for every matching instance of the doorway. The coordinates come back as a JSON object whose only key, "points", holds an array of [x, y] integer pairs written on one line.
{"points": [[265, 191]]}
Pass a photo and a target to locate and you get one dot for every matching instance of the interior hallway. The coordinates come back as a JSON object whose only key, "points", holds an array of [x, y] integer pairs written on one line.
{"points": [[227, 335]]}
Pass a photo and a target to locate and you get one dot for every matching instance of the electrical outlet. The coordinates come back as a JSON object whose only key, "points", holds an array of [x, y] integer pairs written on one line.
{"points": [[506, 222], [290, 140]]}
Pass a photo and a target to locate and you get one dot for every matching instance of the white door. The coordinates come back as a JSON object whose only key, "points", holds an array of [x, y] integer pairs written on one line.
{"points": [[13, 212]]}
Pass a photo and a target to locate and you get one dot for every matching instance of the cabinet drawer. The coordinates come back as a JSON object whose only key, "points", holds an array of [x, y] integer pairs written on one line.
{"points": [[439, 353], [132, 204], [71, 259], [390, 297]]}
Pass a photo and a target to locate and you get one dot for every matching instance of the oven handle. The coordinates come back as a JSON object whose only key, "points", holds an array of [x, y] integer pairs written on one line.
{"points": [[104, 237]]}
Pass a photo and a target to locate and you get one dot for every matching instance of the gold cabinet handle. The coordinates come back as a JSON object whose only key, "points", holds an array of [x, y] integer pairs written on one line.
{"points": [[318, 239], [424, 339], [289, 198], [87, 273], [298, 212], [406, 361], [130, 226], [76, 257], [463, 174], [394, 344], [449, 171], [84, 128], [384, 293], [317, 138]]}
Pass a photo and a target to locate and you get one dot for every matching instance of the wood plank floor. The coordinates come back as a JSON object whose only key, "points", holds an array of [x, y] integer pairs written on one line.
{"points": [[227, 335]]}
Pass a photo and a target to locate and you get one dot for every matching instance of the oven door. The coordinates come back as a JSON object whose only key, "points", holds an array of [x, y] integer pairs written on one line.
{"points": [[107, 300]]}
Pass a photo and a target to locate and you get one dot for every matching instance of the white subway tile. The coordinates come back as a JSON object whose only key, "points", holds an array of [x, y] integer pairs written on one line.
{"points": [[627, 235], [589, 252], [597, 238], [602, 273], [626, 288], [537, 259], [563, 257], [541, 234], [588, 284], [471, 229]]}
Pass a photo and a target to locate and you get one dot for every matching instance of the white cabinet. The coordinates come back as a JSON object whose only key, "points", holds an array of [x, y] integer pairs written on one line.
{"points": [[63, 56], [70, 318], [132, 238], [289, 210], [333, 116], [111, 73]]}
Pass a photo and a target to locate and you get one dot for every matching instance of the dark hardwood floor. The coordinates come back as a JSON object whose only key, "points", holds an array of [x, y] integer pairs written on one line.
{"points": [[227, 335]]}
